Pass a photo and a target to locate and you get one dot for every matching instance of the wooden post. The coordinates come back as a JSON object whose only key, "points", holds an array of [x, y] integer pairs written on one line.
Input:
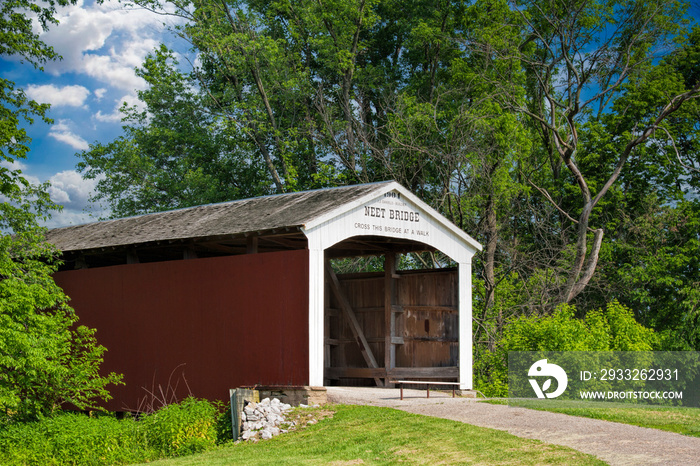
{"points": [[132, 257], [349, 314], [465, 326], [251, 245], [316, 311], [389, 316], [328, 331], [80, 262], [189, 253]]}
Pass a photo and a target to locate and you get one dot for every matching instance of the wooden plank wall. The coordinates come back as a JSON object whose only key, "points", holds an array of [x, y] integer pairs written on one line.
{"points": [[219, 323], [429, 319], [426, 327]]}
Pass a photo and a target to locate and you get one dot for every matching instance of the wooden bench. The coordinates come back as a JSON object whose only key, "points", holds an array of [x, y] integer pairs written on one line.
{"points": [[401, 383]]}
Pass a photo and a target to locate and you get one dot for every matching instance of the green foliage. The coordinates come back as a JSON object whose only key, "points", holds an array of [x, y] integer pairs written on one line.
{"points": [[173, 154], [311, 94], [358, 264], [45, 360], [17, 36], [561, 135], [224, 426], [659, 269], [182, 429], [611, 329], [73, 438]]}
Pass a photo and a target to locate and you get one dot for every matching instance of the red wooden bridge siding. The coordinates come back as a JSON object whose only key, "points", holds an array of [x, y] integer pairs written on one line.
{"points": [[232, 321]]}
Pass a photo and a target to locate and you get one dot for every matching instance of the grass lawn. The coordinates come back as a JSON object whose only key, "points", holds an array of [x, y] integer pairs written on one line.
{"points": [[678, 419], [372, 435]]}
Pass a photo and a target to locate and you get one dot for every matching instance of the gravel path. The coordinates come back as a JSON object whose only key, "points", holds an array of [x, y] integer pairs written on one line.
{"points": [[614, 443]]}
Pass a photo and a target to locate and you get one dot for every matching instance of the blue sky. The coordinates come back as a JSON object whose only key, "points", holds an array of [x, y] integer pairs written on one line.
{"points": [[101, 45]]}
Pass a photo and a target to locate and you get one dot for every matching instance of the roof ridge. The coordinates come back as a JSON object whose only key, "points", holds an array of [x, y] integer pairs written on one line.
{"points": [[240, 216], [223, 203]]}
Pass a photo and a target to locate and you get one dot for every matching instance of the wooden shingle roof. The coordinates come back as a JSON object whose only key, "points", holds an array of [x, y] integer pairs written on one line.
{"points": [[260, 214]]}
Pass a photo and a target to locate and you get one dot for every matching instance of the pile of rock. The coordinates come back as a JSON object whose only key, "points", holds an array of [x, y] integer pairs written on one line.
{"points": [[264, 418]]}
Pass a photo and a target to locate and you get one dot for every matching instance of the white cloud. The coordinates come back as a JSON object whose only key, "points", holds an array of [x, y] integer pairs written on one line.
{"points": [[62, 132], [108, 68], [105, 42], [68, 189], [69, 96], [116, 116], [100, 93], [72, 139], [72, 191]]}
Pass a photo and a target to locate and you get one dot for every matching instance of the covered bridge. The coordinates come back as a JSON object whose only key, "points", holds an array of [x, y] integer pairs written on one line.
{"points": [[243, 293]]}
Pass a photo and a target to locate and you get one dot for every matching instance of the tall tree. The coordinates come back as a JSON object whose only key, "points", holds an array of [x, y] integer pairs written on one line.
{"points": [[651, 217], [45, 361], [307, 88], [173, 153], [534, 125], [585, 55]]}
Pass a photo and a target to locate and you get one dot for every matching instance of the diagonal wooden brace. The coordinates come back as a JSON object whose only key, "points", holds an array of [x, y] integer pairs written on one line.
{"points": [[349, 314]]}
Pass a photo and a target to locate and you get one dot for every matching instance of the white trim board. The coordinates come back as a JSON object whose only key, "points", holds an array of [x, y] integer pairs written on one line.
{"points": [[391, 212]]}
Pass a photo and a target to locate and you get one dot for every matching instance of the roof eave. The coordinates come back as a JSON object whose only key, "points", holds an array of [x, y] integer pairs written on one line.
{"points": [[385, 188]]}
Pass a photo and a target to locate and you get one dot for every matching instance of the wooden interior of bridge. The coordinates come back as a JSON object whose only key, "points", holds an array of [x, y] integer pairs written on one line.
{"points": [[390, 325]]}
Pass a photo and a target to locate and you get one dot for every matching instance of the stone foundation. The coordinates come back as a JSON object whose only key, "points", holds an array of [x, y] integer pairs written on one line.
{"points": [[294, 395], [286, 394]]}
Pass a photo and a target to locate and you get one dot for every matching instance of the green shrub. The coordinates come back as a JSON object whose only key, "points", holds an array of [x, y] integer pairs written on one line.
{"points": [[224, 427], [74, 438], [611, 329], [46, 361], [182, 429]]}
